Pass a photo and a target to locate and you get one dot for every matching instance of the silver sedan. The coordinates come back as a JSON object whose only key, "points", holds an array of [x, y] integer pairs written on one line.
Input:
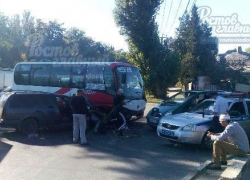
{"points": [[192, 127]]}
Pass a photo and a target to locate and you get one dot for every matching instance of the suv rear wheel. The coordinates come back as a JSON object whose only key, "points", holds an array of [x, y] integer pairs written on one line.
{"points": [[29, 126]]}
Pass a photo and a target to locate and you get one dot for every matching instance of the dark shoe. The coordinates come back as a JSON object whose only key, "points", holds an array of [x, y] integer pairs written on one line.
{"points": [[85, 144], [100, 132], [223, 163], [214, 167], [75, 141], [118, 133]]}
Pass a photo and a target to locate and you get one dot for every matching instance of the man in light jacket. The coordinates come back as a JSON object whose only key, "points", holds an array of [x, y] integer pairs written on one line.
{"points": [[232, 140], [220, 106]]}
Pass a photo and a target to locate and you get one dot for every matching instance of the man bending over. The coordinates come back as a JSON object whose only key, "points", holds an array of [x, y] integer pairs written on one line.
{"points": [[232, 140]]}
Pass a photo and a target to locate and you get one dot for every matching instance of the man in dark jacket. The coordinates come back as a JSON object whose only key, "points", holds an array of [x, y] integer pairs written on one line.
{"points": [[80, 116], [121, 123]]}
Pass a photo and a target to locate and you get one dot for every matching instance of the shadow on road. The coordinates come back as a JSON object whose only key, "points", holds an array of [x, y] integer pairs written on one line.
{"points": [[145, 156], [4, 149], [50, 137]]}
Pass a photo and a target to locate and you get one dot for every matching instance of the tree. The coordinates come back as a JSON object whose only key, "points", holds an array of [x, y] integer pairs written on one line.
{"points": [[5, 43], [198, 55], [229, 75], [25, 38], [88, 48], [28, 29], [248, 50], [136, 19], [11, 46]]}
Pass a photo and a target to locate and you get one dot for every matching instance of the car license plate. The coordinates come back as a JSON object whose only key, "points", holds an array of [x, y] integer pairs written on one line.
{"points": [[167, 133]]}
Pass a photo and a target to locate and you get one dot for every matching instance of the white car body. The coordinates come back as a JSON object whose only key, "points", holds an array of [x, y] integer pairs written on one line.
{"points": [[192, 127], [171, 127]]}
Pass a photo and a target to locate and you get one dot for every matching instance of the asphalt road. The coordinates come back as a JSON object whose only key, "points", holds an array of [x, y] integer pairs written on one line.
{"points": [[52, 155]]}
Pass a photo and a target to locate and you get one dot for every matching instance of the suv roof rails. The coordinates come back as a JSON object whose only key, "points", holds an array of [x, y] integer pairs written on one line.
{"points": [[28, 91]]}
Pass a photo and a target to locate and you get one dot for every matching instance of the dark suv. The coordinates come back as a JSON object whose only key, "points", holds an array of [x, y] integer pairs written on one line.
{"points": [[30, 111]]}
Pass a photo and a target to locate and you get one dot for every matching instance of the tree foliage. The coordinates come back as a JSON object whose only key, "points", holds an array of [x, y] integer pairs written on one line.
{"points": [[24, 38], [248, 50], [136, 19], [227, 74], [198, 51], [193, 44]]}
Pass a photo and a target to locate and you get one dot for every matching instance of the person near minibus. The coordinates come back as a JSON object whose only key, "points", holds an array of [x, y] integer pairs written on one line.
{"points": [[121, 122], [80, 116]]}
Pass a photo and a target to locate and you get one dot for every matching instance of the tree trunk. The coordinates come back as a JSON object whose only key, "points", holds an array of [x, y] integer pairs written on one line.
{"points": [[160, 90]]}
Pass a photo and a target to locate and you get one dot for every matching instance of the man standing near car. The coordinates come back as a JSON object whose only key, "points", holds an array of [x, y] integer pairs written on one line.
{"points": [[80, 116], [121, 123], [232, 140], [220, 106]]}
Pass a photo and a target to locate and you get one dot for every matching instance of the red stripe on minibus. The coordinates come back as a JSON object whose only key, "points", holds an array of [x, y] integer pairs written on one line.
{"points": [[62, 91]]}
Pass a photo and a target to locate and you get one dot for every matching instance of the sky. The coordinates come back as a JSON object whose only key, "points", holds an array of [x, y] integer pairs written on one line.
{"points": [[95, 17]]}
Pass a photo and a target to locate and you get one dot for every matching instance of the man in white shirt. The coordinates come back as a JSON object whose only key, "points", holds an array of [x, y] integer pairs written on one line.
{"points": [[220, 106], [232, 140]]}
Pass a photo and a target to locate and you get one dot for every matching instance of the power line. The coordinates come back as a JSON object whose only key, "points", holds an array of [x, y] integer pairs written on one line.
{"points": [[194, 2], [168, 16], [187, 5], [175, 17], [163, 14]]}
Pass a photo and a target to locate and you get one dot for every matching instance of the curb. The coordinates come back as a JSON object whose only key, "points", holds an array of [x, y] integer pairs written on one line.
{"points": [[235, 170], [232, 172], [193, 175]]}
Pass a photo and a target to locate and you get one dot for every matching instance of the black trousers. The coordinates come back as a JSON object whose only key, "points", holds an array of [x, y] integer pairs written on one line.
{"points": [[121, 122]]}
